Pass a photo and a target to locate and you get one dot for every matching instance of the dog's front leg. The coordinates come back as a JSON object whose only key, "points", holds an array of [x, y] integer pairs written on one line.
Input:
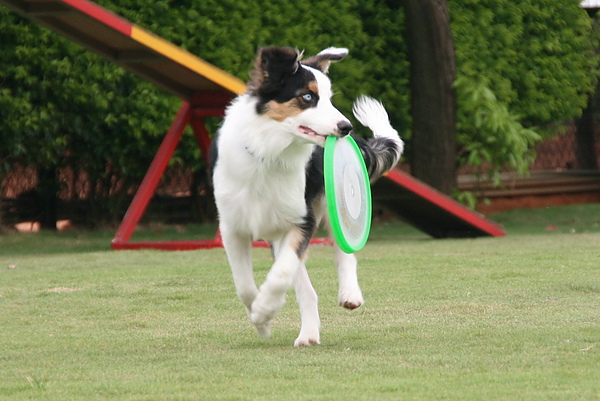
{"points": [[239, 254], [271, 296], [349, 296]]}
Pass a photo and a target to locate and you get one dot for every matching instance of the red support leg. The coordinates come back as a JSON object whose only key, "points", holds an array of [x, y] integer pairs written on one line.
{"points": [[202, 137], [152, 178], [207, 104]]}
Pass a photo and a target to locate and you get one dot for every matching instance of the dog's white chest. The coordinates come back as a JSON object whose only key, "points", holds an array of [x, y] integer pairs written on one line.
{"points": [[260, 199], [260, 174]]}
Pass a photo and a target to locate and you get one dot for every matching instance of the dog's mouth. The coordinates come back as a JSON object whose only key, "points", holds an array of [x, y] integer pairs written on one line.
{"points": [[308, 131], [311, 134]]}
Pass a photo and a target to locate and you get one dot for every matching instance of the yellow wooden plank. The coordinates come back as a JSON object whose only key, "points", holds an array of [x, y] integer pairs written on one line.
{"points": [[188, 60]]}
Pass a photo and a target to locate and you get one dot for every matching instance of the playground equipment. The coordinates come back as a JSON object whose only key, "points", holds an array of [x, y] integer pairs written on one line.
{"points": [[429, 210], [204, 88], [205, 91]]}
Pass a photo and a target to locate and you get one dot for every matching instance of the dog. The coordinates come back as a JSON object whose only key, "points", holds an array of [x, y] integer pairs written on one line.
{"points": [[267, 174]]}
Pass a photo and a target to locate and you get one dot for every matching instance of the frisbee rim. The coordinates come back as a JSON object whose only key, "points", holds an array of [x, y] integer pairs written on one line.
{"points": [[331, 196]]}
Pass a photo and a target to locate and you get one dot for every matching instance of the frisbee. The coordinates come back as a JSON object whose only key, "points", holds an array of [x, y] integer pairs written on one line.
{"points": [[348, 193]]}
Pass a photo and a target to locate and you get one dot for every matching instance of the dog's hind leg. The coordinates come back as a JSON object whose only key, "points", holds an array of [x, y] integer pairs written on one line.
{"points": [[309, 312], [289, 253], [349, 296], [239, 254]]}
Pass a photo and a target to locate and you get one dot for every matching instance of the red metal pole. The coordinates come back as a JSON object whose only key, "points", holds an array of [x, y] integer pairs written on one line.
{"points": [[202, 136], [152, 178], [207, 104]]}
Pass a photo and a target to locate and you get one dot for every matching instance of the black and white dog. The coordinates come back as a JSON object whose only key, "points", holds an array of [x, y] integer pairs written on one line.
{"points": [[268, 179]]}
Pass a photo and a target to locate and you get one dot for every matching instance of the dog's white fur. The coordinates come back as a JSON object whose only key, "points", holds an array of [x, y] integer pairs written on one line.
{"points": [[260, 184]]}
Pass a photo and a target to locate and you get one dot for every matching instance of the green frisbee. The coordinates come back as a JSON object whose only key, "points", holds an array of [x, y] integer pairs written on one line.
{"points": [[348, 193]]}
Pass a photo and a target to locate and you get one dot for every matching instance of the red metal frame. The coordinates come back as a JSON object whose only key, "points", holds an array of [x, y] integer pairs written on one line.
{"points": [[443, 202], [101, 14], [207, 104]]}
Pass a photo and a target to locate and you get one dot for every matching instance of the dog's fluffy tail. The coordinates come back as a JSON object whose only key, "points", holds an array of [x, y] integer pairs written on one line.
{"points": [[383, 151]]}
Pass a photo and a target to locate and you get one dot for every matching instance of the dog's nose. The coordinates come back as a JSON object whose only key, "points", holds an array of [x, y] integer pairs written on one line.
{"points": [[344, 127]]}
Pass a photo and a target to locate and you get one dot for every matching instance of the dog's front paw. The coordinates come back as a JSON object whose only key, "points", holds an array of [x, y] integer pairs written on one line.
{"points": [[307, 339], [351, 300], [264, 329], [265, 307], [262, 320]]}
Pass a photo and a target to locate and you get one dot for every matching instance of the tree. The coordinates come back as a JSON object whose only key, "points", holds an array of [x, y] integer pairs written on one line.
{"points": [[432, 76], [523, 67]]}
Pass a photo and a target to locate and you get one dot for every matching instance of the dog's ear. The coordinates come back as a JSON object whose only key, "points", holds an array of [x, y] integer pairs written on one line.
{"points": [[323, 60], [272, 66]]}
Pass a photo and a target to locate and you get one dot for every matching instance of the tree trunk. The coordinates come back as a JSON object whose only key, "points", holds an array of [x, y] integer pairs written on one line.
{"points": [[47, 189], [433, 100], [584, 127], [585, 137]]}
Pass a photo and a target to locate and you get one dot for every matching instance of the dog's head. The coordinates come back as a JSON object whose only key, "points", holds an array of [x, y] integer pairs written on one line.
{"points": [[298, 93]]}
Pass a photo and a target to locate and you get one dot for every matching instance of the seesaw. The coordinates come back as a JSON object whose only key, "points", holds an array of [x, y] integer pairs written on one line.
{"points": [[205, 91], [429, 210]]}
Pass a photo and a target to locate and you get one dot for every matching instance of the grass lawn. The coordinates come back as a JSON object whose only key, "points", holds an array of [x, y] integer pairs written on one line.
{"points": [[512, 318]]}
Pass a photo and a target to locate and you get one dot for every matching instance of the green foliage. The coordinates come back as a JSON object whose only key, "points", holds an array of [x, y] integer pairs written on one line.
{"points": [[536, 56], [228, 33], [61, 105], [491, 136], [521, 66]]}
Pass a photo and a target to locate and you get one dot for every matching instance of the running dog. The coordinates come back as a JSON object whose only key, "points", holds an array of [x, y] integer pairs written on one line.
{"points": [[267, 171]]}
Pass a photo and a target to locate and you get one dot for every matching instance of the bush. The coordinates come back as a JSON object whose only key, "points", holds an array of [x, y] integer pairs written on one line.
{"points": [[536, 56], [61, 105], [492, 137]]}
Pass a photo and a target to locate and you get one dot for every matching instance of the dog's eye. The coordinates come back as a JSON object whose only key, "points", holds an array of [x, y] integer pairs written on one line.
{"points": [[308, 97]]}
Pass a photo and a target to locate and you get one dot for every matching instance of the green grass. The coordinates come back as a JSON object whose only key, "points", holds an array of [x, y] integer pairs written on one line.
{"points": [[512, 318]]}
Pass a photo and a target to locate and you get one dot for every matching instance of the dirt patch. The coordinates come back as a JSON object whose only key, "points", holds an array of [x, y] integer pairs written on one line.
{"points": [[63, 289]]}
